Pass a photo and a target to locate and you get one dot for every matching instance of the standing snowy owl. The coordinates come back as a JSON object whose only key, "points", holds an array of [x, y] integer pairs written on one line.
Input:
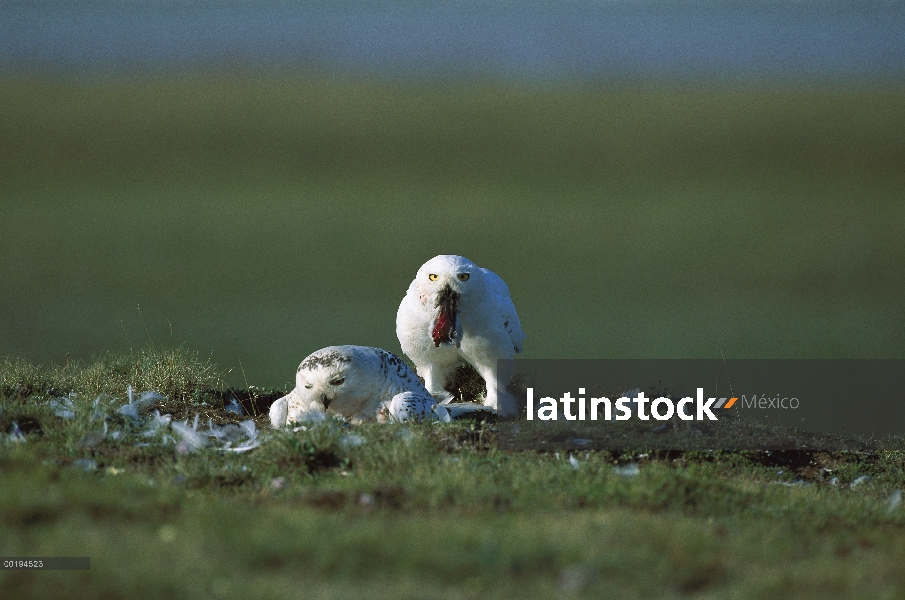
{"points": [[351, 381], [455, 309]]}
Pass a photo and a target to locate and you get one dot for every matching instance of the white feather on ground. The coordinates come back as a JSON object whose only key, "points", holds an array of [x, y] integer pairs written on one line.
{"points": [[455, 310], [156, 428], [349, 381]]}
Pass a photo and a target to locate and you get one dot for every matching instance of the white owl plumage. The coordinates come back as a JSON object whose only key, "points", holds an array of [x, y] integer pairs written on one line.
{"points": [[413, 407], [455, 310], [350, 381]]}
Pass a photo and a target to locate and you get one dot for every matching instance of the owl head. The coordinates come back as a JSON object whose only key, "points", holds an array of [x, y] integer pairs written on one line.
{"points": [[456, 273], [332, 379], [443, 283]]}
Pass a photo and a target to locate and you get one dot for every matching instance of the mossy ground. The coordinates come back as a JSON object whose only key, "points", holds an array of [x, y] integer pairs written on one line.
{"points": [[417, 511]]}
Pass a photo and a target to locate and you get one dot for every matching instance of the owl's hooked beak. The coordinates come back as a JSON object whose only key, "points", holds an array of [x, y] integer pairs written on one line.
{"points": [[444, 329]]}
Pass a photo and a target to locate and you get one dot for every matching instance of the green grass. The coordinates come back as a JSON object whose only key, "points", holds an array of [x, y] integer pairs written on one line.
{"points": [[418, 511], [257, 219], [175, 373]]}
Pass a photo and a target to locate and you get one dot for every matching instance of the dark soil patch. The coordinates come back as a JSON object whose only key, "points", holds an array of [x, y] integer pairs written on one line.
{"points": [[333, 499], [224, 480], [392, 496], [218, 415], [788, 445], [310, 459], [255, 403], [26, 424]]}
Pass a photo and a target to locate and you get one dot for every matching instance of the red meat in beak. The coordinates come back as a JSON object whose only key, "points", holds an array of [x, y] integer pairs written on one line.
{"points": [[444, 330]]}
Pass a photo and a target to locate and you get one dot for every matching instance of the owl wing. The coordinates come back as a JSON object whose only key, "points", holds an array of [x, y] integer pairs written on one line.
{"points": [[509, 318], [409, 317]]}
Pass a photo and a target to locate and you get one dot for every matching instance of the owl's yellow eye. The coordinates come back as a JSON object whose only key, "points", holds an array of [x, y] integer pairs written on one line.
{"points": [[432, 277], [463, 276]]}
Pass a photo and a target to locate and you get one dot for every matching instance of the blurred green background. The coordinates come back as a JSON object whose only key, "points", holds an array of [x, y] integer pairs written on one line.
{"points": [[256, 218]]}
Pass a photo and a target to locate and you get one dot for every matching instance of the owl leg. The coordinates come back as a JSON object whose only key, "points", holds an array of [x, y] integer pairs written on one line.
{"points": [[436, 373], [496, 375]]}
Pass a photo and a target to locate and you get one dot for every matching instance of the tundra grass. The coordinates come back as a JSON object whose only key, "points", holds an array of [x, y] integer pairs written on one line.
{"points": [[419, 511]]}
